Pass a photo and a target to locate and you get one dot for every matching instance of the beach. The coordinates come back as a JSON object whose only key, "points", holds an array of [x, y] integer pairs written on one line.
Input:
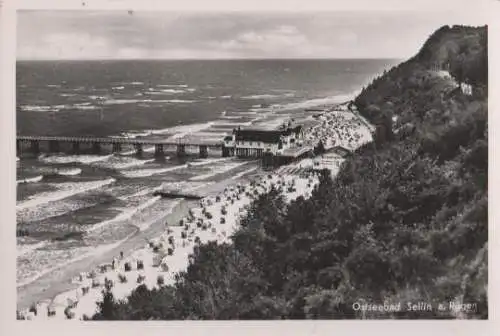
{"points": [[160, 250]]}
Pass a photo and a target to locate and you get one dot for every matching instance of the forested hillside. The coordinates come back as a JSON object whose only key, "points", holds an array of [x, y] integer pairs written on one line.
{"points": [[406, 220]]}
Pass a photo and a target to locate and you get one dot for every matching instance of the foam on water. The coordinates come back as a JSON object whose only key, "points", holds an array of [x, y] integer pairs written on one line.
{"points": [[84, 159], [121, 162], [39, 108], [64, 190], [33, 179], [69, 171], [43, 211], [149, 172], [172, 85], [39, 262], [237, 176], [263, 96], [218, 170], [313, 102], [126, 214]]}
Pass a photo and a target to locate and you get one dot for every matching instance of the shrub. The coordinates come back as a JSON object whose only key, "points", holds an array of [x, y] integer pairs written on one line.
{"points": [[160, 280]]}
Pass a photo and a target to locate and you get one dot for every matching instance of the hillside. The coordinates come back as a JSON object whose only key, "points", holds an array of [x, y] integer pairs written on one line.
{"points": [[406, 220]]}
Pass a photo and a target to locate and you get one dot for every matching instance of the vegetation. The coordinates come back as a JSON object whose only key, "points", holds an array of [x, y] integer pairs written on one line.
{"points": [[406, 219]]}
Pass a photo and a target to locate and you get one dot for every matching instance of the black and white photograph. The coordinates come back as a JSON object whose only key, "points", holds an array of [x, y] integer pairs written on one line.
{"points": [[251, 165]]}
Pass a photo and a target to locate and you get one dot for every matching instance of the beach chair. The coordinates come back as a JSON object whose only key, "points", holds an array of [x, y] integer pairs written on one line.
{"points": [[122, 278], [141, 278], [95, 283], [51, 310], [68, 313], [164, 267], [33, 309]]}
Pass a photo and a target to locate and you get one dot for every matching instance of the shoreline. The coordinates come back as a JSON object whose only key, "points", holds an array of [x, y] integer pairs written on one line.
{"points": [[49, 285], [59, 283]]}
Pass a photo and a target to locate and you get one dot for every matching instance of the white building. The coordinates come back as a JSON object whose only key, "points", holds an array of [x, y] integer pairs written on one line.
{"points": [[256, 142]]}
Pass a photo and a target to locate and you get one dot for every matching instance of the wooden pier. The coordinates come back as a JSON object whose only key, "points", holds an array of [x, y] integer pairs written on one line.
{"points": [[54, 144]]}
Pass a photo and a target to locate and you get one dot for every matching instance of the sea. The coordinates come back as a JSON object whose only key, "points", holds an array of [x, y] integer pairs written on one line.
{"points": [[69, 206]]}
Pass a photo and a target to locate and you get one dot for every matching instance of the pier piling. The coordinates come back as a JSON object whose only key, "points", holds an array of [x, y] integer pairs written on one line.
{"points": [[203, 152], [181, 150], [138, 149], [117, 147], [159, 150], [35, 146], [76, 147], [53, 146]]}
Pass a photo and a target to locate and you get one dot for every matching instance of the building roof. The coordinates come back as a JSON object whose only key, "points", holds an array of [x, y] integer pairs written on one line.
{"points": [[267, 136]]}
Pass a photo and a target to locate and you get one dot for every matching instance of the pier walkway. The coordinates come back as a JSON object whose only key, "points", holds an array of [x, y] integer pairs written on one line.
{"points": [[55, 142]]}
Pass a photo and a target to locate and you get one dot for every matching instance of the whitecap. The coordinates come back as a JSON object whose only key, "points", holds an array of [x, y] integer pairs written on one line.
{"points": [[85, 159], [64, 190]]}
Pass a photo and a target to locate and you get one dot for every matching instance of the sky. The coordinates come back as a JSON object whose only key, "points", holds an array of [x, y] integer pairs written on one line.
{"points": [[113, 34]]}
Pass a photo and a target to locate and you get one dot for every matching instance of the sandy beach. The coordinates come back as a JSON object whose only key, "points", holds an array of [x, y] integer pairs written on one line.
{"points": [[154, 255]]}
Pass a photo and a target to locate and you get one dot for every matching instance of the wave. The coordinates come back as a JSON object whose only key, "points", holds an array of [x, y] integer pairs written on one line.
{"points": [[203, 162], [313, 102], [237, 176], [155, 171], [98, 97], [218, 170], [165, 91], [84, 159], [262, 96], [135, 101], [68, 94], [44, 211], [172, 85], [33, 179], [25, 248], [74, 255], [121, 163], [53, 85], [64, 190], [118, 87], [181, 101], [182, 131], [146, 224], [69, 171], [39, 108], [226, 97], [249, 123], [150, 172], [127, 214]]}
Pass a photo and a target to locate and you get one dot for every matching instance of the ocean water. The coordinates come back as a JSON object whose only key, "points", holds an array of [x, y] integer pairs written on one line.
{"points": [[70, 204]]}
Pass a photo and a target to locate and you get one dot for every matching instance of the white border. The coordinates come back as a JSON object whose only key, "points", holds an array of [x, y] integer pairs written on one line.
{"points": [[8, 325]]}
